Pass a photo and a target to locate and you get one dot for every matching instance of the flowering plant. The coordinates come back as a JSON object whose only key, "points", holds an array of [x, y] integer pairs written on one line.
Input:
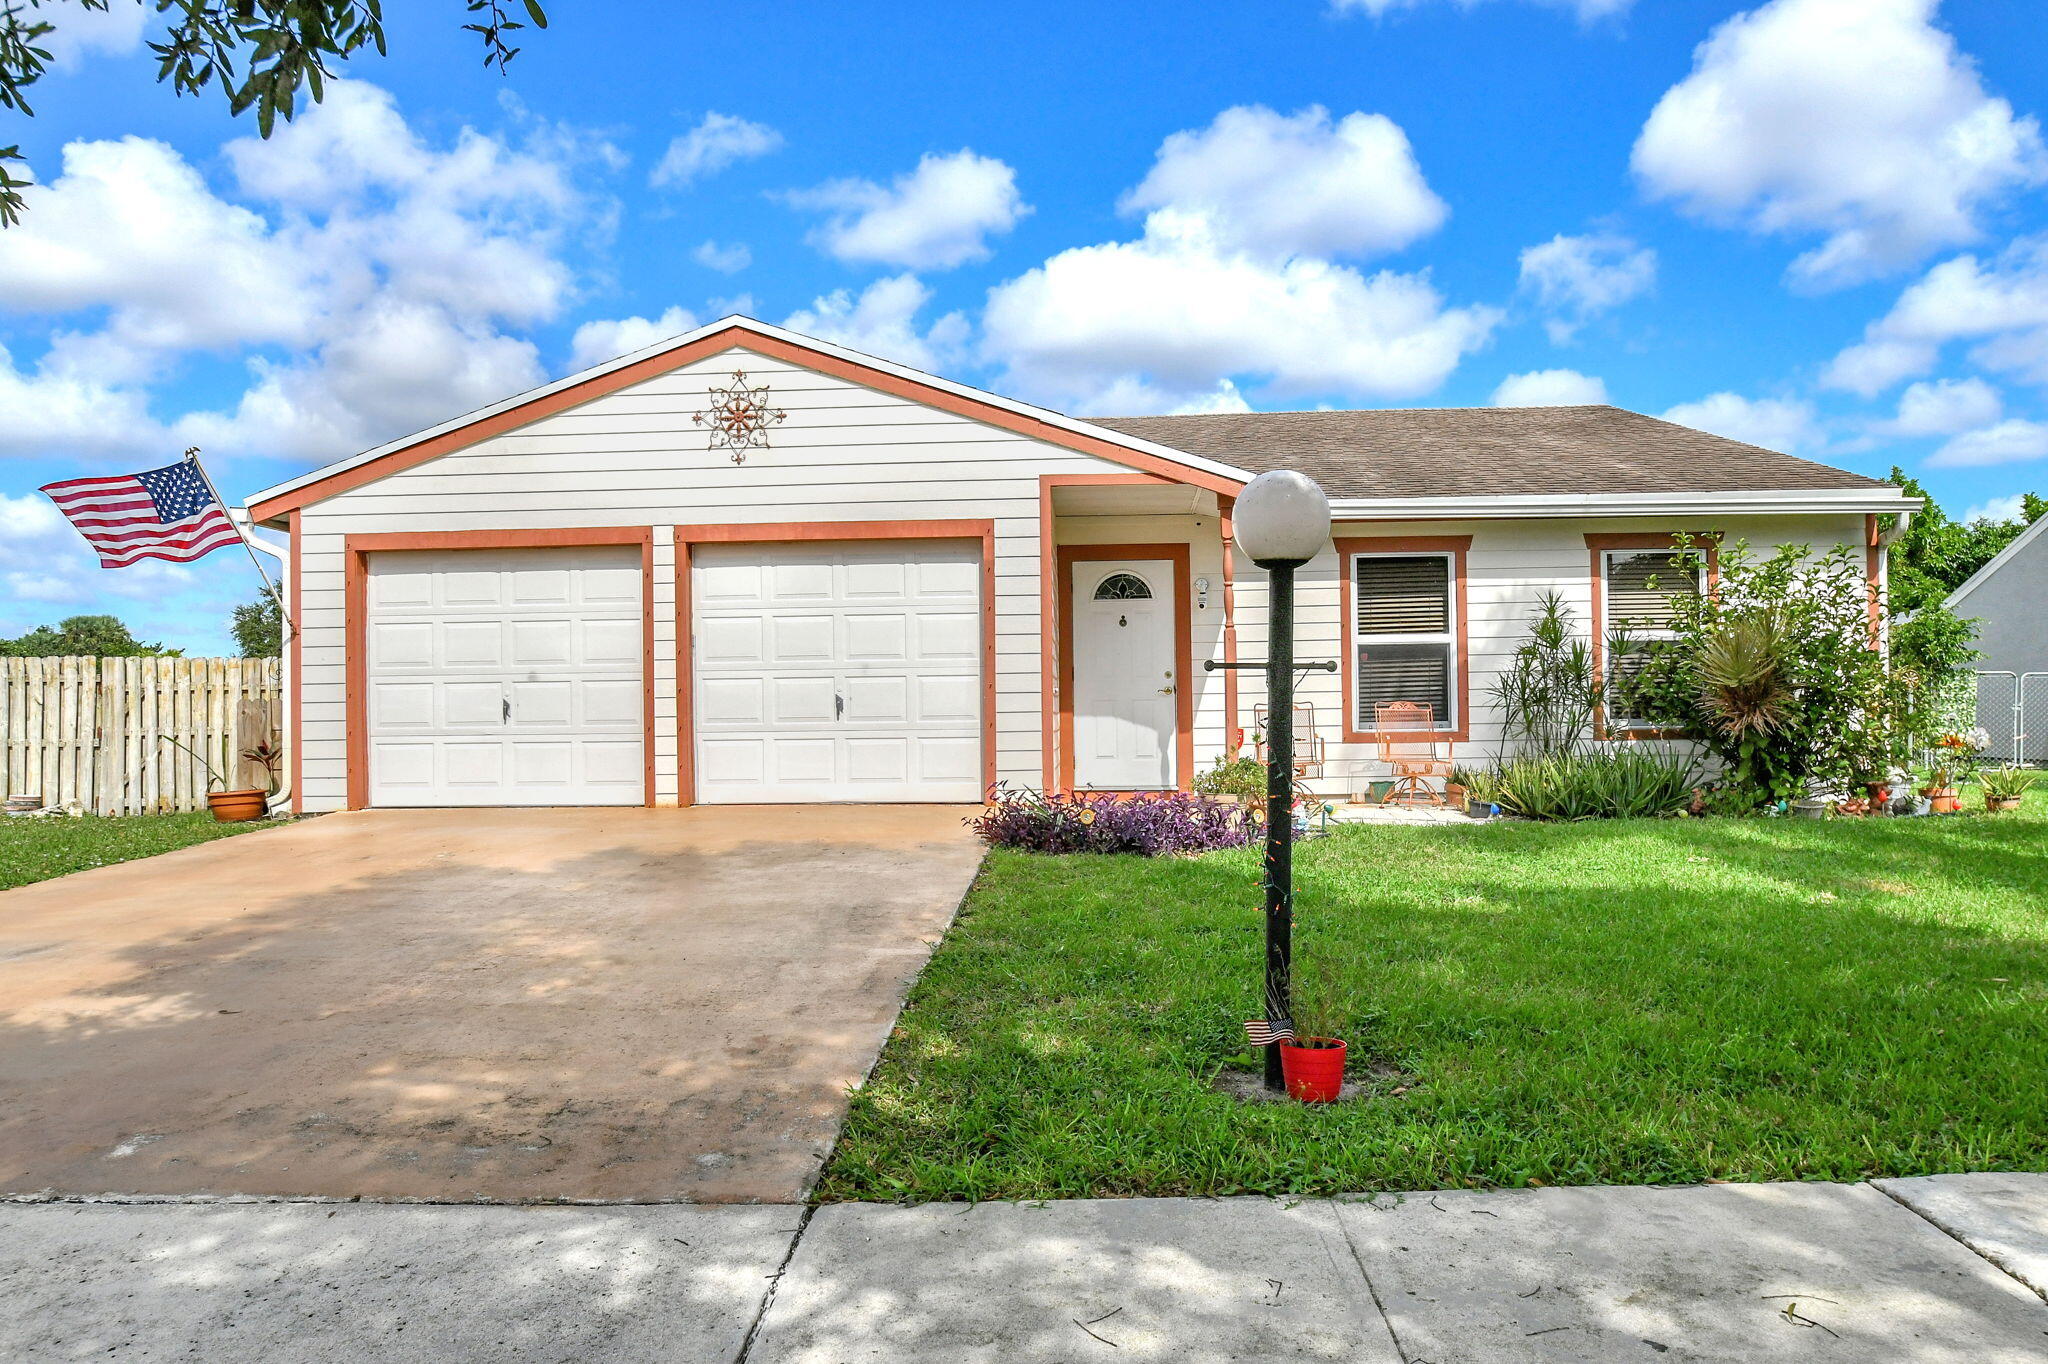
{"points": [[1149, 824]]}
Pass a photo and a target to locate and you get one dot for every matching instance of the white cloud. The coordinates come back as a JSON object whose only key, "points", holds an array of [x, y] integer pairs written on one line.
{"points": [[1127, 396], [882, 322], [1586, 10], [2009, 442], [718, 140], [47, 571], [2002, 302], [381, 267], [1549, 388], [1296, 185], [1774, 423], [599, 341], [113, 31], [1855, 119], [933, 218], [1579, 277], [2011, 508], [1944, 407], [1180, 311], [728, 259]]}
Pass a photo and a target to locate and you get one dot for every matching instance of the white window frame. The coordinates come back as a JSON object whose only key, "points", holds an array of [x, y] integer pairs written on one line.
{"points": [[1365, 724], [1603, 625]]}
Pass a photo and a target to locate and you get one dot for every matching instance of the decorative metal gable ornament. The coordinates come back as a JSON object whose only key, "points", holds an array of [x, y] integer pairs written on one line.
{"points": [[739, 417]]}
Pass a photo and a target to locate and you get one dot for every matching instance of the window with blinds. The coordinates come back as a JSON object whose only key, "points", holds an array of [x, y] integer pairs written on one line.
{"points": [[1638, 600], [1404, 637]]}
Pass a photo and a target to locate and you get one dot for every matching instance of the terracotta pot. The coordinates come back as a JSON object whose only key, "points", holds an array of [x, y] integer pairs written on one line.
{"points": [[1454, 794], [1314, 1072], [2002, 803], [237, 807], [1944, 800]]}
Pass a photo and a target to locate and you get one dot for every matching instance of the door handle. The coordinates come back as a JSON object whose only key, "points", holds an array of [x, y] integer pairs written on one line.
{"points": [[506, 709], [838, 706]]}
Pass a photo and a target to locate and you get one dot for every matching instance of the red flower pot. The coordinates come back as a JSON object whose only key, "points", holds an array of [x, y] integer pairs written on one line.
{"points": [[1314, 1070]]}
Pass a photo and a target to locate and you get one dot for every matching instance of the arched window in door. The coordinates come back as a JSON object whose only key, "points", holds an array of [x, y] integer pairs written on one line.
{"points": [[1123, 587]]}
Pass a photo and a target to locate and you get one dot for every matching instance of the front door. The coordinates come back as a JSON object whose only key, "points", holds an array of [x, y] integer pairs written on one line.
{"points": [[1124, 676]]}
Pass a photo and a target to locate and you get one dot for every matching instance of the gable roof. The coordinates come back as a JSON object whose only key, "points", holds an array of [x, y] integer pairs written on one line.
{"points": [[1489, 451], [1997, 562], [273, 503]]}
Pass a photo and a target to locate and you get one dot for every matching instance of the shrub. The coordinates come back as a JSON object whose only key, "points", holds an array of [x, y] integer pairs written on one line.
{"points": [[1549, 692], [1235, 774], [1150, 825], [1621, 783]]}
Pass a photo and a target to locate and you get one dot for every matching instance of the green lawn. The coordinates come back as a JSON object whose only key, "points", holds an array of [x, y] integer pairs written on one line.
{"points": [[1634, 1002], [38, 849]]}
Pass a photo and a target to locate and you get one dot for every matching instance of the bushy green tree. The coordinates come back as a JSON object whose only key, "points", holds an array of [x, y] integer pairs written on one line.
{"points": [[261, 53], [1773, 672], [83, 637], [259, 626]]}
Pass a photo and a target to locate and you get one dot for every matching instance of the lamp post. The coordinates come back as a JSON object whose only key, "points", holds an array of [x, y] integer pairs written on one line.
{"points": [[1283, 521]]}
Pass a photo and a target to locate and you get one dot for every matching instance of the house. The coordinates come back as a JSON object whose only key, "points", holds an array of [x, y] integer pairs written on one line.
{"points": [[2005, 598], [746, 566]]}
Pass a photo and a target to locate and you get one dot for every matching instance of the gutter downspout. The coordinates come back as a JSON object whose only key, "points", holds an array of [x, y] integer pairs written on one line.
{"points": [[282, 801]]}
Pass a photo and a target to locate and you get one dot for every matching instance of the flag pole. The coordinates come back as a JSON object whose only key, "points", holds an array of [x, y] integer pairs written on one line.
{"points": [[276, 596]]}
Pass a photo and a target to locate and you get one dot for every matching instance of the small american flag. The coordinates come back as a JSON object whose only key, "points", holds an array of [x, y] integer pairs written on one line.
{"points": [[1265, 1032], [168, 513]]}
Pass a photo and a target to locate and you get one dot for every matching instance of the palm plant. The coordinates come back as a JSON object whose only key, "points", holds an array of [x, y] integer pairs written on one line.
{"points": [[1745, 685]]}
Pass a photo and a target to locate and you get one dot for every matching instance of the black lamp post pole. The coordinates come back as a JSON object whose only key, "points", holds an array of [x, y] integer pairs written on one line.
{"points": [[1279, 806]]}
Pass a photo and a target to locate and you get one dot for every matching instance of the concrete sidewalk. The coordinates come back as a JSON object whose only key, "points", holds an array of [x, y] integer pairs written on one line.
{"points": [[1948, 1270]]}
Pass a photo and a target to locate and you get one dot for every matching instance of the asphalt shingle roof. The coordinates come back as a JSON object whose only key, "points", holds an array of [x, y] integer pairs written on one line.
{"points": [[1486, 451]]}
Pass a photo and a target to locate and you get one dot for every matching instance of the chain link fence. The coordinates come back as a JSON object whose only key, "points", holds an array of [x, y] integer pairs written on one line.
{"points": [[2013, 709]]}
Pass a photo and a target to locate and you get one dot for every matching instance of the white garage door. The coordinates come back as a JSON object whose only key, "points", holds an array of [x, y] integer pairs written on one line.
{"points": [[829, 672], [505, 677]]}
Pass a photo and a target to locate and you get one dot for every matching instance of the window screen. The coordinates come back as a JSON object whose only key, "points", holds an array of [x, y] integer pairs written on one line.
{"points": [[1403, 638]]}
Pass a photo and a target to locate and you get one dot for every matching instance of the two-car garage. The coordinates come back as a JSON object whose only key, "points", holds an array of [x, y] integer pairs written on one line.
{"points": [[816, 670]]}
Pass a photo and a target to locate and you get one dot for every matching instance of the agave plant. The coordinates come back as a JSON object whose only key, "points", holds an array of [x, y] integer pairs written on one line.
{"points": [[1745, 685]]}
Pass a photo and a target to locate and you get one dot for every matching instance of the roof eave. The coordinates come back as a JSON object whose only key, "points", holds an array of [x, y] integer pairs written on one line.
{"points": [[1519, 506]]}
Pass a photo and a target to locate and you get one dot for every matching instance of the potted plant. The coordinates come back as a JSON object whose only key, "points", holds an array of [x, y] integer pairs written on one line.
{"points": [[1237, 779], [238, 806], [1313, 1063], [2005, 787], [1482, 790]]}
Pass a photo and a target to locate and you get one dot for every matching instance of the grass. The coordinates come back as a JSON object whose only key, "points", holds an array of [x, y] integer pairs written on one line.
{"points": [[38, 849], [1623, 1002]]}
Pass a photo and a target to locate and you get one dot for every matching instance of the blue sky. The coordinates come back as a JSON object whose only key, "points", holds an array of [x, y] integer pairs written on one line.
{"points": [[1816, 224]]}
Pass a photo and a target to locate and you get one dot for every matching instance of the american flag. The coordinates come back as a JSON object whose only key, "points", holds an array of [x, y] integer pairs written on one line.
{"points": [[1264, 1033], [167, 513]]}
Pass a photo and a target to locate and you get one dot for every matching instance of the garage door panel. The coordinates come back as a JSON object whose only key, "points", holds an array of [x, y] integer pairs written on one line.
{"points": [[806, 638], [875, 636], [506, 677], [472, 703], [943, 700], [829, 671], [401, 646], [948, 637]]}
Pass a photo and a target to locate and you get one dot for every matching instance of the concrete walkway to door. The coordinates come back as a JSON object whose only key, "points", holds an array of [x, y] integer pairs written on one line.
{"points": [[627, 1004]]}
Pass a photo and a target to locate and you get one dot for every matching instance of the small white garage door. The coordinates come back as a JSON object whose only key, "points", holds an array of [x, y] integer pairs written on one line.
{"points": [[505, 677], [837, 672]]}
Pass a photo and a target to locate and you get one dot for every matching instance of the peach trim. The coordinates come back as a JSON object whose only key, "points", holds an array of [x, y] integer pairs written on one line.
{"points": [[1457, 546], [1873, 573], [744, 533], [497, 424], [1596, 545], [1048, 605], [298, 680], [356, 550], [1233, 735], [1183, 644]]}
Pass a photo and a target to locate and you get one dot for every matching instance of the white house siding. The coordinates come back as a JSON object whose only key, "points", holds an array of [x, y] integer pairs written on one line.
{"points": [[634, 458], [1510, 566]]}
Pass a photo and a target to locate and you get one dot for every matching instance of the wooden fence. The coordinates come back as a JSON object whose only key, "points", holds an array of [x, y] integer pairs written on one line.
{"points": [[92, 732]]}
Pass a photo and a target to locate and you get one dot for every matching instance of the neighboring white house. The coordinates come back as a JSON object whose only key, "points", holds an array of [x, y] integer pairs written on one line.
{"points": [[2008, 599], [838, 579]]}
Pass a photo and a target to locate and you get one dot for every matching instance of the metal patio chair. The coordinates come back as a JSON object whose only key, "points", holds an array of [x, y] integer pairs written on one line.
{"points": [[1414, 752]]}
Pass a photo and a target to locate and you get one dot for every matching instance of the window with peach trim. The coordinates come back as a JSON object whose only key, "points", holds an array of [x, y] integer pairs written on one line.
{"points": [[1403, 636]]}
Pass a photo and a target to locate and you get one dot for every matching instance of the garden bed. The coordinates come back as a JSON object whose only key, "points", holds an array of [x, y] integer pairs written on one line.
{"points": [[1634, 1001]]}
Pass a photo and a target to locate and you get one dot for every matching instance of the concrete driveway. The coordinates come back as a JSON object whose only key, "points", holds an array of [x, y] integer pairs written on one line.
{"points": [[638, 1005]]}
